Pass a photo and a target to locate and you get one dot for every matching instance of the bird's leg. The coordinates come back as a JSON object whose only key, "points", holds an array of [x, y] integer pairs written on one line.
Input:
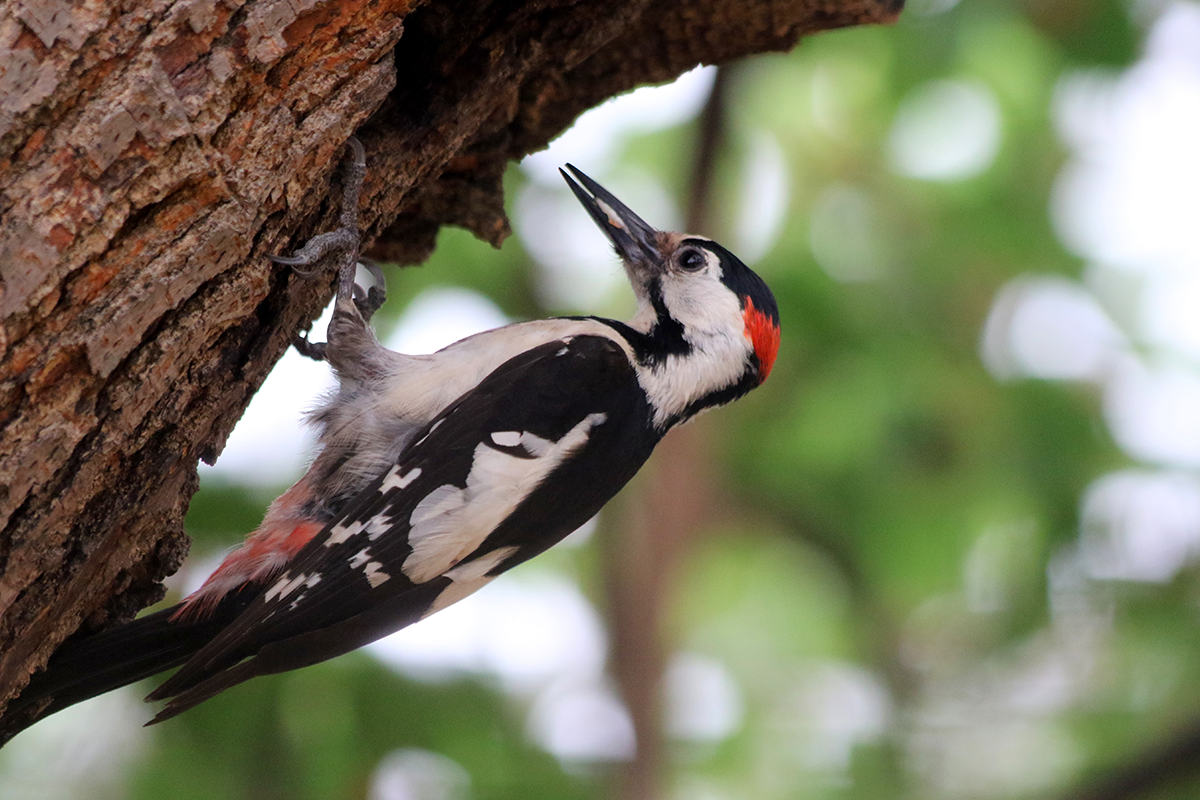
{"points": [[341, 245], [343, 242]]}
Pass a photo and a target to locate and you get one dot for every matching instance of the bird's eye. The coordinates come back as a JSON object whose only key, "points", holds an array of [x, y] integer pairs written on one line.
{"points": [[692, 260]]}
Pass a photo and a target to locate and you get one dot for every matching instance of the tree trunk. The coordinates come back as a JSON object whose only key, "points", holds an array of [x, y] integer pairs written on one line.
{"points": [[152, 154]]}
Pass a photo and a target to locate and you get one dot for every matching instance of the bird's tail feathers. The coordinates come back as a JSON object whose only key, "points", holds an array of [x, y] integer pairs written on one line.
{"points": [[88, 666]]}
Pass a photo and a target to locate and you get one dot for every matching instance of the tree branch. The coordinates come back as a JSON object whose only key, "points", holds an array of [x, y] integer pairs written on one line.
{"points": [[152, 155]]}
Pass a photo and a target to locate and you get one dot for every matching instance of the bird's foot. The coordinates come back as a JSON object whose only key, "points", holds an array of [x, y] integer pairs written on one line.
{"points": [[313, 350], [341, 245], [370, 300]]}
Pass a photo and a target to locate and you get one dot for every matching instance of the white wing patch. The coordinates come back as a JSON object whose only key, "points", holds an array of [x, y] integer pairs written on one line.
{"points": [[450, 523], [312, 581], [443, 500], [533, 444], [432, 428], [378, 524], [375, 526], [539, 446], [469, 578]]}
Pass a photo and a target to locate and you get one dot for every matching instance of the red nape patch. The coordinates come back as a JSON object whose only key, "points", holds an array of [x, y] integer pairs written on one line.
{"points": [[763, 333]]}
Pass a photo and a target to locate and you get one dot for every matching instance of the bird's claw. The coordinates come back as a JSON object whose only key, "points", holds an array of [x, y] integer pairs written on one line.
{"points": [[341, 244], [313, 350], [371, 299]]}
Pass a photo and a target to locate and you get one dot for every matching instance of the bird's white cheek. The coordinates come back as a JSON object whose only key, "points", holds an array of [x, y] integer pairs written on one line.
{"points": [[701, 302]]}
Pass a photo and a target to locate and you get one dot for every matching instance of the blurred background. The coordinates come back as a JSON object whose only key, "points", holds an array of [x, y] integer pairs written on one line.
{"points": [[948, 550]]}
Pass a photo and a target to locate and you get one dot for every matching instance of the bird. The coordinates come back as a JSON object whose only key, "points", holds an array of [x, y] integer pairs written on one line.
{"points": [[435, 473]]}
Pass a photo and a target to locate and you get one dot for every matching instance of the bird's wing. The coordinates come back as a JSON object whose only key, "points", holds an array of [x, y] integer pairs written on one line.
{"points": [[502, 474]]}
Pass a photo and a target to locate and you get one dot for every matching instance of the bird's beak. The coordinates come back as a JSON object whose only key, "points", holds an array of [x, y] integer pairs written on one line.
{"points": [[635, 241]]}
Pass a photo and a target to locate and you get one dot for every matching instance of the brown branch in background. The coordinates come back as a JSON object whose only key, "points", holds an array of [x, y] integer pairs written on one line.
{"points": [[711, 139], [657, 522]]}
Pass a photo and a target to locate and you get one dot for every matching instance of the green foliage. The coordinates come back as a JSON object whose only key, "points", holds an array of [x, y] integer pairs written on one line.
{"points": [[903, 514]]}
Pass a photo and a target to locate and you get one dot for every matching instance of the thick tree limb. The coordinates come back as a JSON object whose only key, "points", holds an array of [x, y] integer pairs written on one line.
{"points": [[152, 154]]}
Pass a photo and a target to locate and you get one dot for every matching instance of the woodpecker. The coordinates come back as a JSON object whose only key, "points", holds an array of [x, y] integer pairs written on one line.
{"points": [[435, 473]]}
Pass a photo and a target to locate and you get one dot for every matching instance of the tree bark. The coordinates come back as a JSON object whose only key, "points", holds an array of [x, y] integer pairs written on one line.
{"points": [[153, 153]]}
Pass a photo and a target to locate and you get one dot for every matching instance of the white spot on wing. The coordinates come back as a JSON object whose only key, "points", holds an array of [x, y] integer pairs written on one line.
{"points": [[377, 526], [375, 574], [277, 588], [432, 428], [373, 570], [395, 480], [450, 523], [341, 532], [536, 444], [285, 586], [507, 438], [532, 443], [478, 568]]}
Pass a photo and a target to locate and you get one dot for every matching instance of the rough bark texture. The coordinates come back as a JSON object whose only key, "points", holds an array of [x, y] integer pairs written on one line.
{"points": [[153, 153]]}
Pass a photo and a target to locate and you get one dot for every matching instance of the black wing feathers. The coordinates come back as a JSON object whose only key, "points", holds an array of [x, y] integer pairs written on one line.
{"points": [[348, 587], [547, 392]]}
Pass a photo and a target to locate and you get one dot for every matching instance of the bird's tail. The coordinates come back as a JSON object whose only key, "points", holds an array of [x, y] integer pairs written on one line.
{"points": [[92, 665]]}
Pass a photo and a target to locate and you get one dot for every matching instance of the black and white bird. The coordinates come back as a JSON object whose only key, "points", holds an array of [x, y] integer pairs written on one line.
{"points": [[435, 473]]}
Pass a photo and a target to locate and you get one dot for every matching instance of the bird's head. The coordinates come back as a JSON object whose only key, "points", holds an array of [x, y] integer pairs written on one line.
{"points": [[692, 293]]}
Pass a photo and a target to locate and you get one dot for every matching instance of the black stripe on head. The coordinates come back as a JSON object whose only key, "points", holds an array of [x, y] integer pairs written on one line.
{"points": [[740, 279]]}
